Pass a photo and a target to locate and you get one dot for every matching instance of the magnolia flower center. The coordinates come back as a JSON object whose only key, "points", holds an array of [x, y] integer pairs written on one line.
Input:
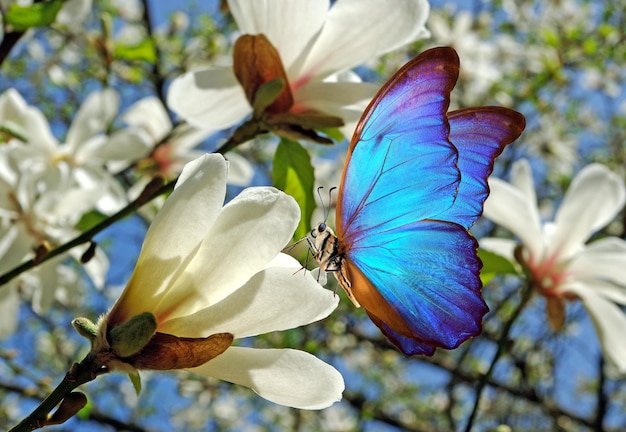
{"points": [[162, 157], [547, 274]]}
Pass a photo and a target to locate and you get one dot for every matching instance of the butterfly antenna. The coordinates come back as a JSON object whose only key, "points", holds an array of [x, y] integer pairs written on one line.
{"points": [[330, 200], [325, 208]]}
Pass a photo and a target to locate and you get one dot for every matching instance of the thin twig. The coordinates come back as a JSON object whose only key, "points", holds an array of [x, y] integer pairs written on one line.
{"points": [[157, 78], [85, 236], [502, 346], [87, 370]]}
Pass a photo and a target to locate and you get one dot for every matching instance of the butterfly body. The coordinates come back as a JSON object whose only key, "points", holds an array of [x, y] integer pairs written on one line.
{"points": [[414, 182]]}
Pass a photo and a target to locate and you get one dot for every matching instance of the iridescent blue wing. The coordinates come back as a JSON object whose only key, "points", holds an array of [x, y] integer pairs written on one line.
{"points": [[401, 167], [419, 283], [479, 134], [402, 213]]}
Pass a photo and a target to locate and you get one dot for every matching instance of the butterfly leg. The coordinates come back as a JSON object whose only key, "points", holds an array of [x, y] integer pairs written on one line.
{"points": [[335, 265]]}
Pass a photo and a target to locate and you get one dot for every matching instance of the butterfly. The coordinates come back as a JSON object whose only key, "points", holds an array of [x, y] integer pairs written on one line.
{"points": [[414, 182]]}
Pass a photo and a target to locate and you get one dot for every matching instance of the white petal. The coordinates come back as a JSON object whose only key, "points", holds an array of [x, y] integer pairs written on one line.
{"points": [[290, 26], [247, 235], [240, 171], [112, 196], [277, 298], [209, 98], [124, 145], [176, 232], [47, 276], [603, 259], [522, 179], [93, 117], [503, 247], [334, 94], [149, 114], [284, 376], [346, 100], [358, 30], [509, 207], [609, 322], [593, 199]]}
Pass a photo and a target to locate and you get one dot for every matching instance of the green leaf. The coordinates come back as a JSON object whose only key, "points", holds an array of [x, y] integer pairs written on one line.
{"points": [[143, 51], [494, 265], [334, 134], [90, 219], [21, 18], [135, 378], [293, 173]]}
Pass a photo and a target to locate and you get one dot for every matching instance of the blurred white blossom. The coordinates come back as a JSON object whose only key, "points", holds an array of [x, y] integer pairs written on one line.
{"points": [[83, 155], [562, 266]]}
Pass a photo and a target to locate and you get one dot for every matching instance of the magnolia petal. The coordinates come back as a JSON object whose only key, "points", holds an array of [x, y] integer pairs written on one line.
{"points": [[150, 115], [48, 282], [209, 98], [13, 109], [327, 96], [284, 376], [502, 247], [593, 199], [346, 100], [290, 26], [247, 235], [175, 234], [508, 207], [93, 117], [277, 298], [112, 196], [358, 30], [15, 245], [240, 171], [38, 132], [604, 259], [522, 180], [124, 145], [609, 322]]}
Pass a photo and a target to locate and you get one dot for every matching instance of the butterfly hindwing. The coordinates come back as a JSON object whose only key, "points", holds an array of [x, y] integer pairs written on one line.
{"points": [[479, 134], [427, 276]]}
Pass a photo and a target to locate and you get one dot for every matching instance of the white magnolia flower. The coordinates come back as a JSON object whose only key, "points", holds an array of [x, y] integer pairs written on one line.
{"points": [[562, 266], [315, 43], [33, 214], [177, 146], [212, 273], [86, 150]]}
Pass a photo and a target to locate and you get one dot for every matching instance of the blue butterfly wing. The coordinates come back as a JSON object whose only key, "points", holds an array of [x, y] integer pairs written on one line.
{"points": [[407, 197], [479, 134], [423, 284], [400, 160]]}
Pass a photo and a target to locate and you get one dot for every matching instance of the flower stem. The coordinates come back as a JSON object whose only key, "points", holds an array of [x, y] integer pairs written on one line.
{"points": [[80, 373], [503, 344]]}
